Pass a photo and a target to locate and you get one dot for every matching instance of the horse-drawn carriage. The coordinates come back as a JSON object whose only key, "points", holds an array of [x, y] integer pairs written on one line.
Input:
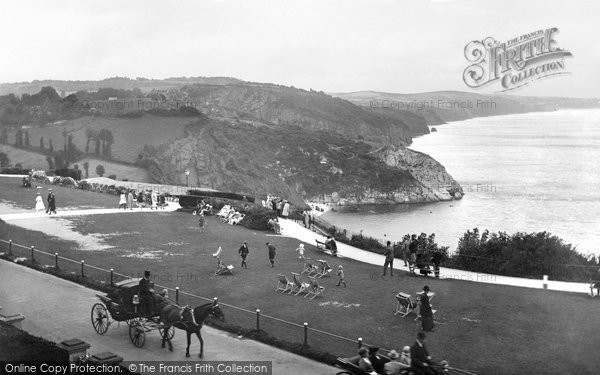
{"points": [[123, 305]]}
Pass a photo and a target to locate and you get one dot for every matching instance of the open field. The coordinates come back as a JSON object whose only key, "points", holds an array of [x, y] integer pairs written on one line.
{"points": [[487, 328], [148, 129], [120, 170], [28, 159]]}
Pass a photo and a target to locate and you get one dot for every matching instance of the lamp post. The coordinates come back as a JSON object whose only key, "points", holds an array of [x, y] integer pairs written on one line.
{"points": [[187, 177]]}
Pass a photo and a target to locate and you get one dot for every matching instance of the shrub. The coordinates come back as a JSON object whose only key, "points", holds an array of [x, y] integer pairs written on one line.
{"points": [[69, 181], [38, 175], [84, 185], [69, 172], [523, 255], [257, 217], [112, 176]]}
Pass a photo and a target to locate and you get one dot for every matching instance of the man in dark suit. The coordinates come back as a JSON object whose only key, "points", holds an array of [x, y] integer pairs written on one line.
{"points": [[146, 294], [377, 361], [244, 253], [421, 360]]}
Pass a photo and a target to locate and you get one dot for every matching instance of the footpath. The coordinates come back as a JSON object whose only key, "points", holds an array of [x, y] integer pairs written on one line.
{"points": [[290, 228], [58, 310]]}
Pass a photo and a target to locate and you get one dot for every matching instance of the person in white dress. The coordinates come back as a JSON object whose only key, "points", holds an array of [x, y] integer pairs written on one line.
{"points": [[39, 203], [122, 201], [154, 197]]}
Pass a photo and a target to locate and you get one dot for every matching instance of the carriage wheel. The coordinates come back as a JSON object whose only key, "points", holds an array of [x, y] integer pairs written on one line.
{"points": [[170, 334], [137, 334], [100, 318]]}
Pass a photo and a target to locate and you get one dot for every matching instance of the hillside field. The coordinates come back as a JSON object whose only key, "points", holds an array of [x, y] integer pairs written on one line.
{"points": [[130, 134]]}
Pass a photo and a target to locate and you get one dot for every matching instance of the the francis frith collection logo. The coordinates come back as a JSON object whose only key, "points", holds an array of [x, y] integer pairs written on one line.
{"points": [[514, 63]]}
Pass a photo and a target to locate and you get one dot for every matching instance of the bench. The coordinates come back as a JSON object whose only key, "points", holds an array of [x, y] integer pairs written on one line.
{"points": [[322, 246]]}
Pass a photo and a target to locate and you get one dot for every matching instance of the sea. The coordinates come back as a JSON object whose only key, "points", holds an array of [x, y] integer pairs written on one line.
{"points": [[521, 173]]}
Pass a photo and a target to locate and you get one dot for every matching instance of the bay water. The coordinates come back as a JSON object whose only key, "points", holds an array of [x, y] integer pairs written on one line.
{"points": [[526, 172]]}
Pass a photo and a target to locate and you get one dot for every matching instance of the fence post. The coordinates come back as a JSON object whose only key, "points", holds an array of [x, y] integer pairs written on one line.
{"points": [[32, 257], [55, 260], [111, 276], [177, 295], [82, 264], [360, 342], [9, 247], [305, 334], [258, 319]]}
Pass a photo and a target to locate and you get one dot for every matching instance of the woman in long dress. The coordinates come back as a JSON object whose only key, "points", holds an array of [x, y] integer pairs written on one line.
{"points": [[39, 203], [426, 312], [154, 198], [122, 201]]}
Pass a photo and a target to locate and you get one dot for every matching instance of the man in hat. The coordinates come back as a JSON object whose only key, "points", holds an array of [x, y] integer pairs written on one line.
{"points": [[377, 360], [421, 360], [394, 366], [146, 297], [51, 202], [364, 363], [244, 253]]}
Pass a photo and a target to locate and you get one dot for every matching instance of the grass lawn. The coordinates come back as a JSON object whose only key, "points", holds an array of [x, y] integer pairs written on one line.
{"points": [[18, 345], [490, 329], [15, 194]]}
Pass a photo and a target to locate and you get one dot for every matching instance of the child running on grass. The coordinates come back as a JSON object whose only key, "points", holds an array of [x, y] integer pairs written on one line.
{"points": [[340, 274], [201, 221]]}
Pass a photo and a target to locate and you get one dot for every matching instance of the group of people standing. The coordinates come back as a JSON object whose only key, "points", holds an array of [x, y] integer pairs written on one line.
{"points": [[413, 359], [126, 199], [420, 251], [282, 206], [51, 200]]}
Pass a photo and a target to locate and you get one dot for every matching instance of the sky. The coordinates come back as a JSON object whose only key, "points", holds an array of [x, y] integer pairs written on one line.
{"points": [[401, 46]]}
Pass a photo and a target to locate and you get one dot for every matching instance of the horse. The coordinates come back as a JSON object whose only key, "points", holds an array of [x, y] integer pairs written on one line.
{"points": [[190, 320]]}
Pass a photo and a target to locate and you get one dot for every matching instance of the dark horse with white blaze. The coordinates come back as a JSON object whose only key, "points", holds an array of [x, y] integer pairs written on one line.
{"points": [[188, 319]]}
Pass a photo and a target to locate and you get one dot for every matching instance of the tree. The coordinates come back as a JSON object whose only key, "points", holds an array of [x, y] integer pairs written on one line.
{"points": [[97, 146], [109, 141], [50, 161], [102, 139], [4, 160], [60, 159], [86, 166], [19, 138], [100, 170], [64, 133], [50, 146], [42, 143], [26, 138], [4, 136], [90, 135]]}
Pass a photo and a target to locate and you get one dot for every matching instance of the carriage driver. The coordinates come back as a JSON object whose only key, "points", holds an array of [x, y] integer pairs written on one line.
{"points": [[146, 294]]}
